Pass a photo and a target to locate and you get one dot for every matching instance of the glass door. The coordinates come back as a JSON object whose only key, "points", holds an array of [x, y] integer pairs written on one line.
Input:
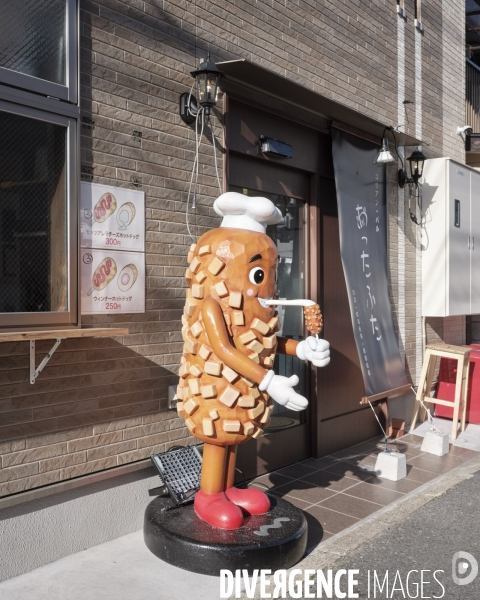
{"points": [[286, 439]]}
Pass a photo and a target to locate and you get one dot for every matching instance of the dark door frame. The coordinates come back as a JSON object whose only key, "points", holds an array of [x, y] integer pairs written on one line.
{"points": [[289, 451]]}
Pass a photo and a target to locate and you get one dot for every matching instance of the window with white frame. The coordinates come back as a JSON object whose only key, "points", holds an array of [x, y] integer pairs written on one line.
{"points": [[38, 163]]}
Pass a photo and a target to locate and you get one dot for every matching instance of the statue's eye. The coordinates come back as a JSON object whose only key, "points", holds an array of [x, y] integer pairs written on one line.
{"points": [[256, 275]]}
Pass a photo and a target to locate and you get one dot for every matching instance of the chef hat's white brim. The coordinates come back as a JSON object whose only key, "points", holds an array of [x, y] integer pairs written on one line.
{"points": [[243, 212]]}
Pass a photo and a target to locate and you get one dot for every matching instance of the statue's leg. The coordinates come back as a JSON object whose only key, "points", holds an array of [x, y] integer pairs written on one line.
{"points": [[230, 470], [211, 503], [251, 500], [213, 469]]}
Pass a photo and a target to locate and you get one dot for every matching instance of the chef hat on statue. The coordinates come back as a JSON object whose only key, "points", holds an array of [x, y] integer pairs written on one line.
{"points": [[242, 212]]}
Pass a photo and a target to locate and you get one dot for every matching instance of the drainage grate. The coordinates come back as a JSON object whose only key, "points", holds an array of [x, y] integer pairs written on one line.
{"points": [[180, 471]]}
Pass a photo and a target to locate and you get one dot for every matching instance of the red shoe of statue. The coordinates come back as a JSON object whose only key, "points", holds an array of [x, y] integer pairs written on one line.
{"points": [[217, 511], [250, 500]]}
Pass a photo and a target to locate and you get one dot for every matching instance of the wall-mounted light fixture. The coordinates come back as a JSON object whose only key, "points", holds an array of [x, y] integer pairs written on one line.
{"points": [[207, 78], [197, 110], [384, 156], [416, 161], [275, 148]]}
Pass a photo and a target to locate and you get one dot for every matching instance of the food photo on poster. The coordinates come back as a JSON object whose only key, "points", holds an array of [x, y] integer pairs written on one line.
{"points": [[112, 217], [112, 282]]}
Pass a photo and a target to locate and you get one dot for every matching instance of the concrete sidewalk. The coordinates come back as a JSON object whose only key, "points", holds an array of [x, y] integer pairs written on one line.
{"points": [[124, 569]]}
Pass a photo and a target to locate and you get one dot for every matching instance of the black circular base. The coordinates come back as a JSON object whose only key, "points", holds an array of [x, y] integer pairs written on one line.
{"points": [[276, 540]]}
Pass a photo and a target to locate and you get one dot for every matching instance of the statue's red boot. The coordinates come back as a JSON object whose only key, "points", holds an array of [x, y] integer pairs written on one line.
{"points": [[218, 511], [250, 500]]}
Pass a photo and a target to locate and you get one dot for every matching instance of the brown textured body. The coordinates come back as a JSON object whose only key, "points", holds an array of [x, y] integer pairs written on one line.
{"points": [[229, 338]]}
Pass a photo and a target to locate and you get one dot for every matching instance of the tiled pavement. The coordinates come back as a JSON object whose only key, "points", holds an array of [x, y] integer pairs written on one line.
{"points": [[337, 491]]}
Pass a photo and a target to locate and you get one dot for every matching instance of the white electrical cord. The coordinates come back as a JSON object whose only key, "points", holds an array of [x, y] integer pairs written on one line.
{"points": [[194, 171], [188, 197], [198, 141], [215, 154], [196, 162]]}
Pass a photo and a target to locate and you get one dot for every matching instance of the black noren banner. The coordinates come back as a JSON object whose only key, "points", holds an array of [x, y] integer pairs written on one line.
{"points": [[361, 197]]}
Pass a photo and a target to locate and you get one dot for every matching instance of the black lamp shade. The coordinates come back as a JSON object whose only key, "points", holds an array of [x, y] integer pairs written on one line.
{"points": [[416, 161], [207, 78]]}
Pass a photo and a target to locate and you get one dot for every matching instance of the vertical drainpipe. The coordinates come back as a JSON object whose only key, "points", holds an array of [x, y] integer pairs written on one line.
{"points": [[418, 231], [400, 192]]}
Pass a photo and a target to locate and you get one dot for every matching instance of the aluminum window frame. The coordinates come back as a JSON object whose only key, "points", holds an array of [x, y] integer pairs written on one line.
{"points": [[68, 92], [70, 317]]}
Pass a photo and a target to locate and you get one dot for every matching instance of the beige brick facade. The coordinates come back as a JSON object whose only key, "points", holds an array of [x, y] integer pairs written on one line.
{"points": [[101, 403]]}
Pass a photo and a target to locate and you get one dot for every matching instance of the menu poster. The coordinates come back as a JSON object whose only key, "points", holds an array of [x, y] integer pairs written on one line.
{"points": [[112, 282], [111, 217]]}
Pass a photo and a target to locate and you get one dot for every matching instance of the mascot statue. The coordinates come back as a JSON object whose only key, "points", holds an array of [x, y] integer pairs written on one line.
{"points": [[226, 378]]}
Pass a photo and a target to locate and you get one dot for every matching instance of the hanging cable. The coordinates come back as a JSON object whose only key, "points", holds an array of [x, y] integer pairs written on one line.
{"points": [[392, 129], [215, 154], [198, 141], [188, 198], [387, 447], [429, 414], [194, 172], [413, 190]]}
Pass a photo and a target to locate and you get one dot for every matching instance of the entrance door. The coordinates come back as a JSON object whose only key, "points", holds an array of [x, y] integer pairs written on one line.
{"points": [[287, 439], [303, 187]]}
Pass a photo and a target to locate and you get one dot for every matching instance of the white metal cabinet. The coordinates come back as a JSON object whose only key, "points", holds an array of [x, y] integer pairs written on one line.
{"points": [[450, 239], [475, 242], [458, 236]]}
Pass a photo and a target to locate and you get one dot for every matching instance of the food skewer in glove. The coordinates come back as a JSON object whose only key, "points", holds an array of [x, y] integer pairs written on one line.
{"points": [[313, 319], [315, 350], [226, 383]]}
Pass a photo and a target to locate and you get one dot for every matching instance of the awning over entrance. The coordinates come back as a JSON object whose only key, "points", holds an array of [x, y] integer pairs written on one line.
{"points": [[267, 82]]}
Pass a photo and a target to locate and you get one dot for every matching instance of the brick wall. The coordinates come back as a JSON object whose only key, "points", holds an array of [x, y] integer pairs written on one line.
{"points": [[103, 402], [437, 108]]}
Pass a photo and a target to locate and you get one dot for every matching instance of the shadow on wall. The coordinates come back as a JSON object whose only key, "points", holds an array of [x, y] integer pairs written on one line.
{"points": [[98, 404]]}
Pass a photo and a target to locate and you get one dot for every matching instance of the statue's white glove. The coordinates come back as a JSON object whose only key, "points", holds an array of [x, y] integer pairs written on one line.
{"points": [[281, 390], [315, 350]]}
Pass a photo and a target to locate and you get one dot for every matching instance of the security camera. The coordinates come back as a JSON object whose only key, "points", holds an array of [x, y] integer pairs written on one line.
{"points": [[465, 130]]}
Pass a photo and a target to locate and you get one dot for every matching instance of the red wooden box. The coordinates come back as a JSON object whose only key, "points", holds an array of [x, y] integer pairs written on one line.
{"points": [[446, 386]]}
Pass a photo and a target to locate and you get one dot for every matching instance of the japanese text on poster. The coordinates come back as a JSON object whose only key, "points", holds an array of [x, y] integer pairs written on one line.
{"points": [[361, 201]]}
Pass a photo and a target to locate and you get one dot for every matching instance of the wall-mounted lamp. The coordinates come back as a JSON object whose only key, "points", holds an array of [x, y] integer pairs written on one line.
{"points": [[275, 148], [207, 78], [415, 160], [384, 156], [197, 110]]}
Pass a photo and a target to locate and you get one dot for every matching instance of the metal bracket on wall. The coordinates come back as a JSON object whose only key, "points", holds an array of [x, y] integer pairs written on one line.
{"points": [[34, 373], [172, 396]]}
